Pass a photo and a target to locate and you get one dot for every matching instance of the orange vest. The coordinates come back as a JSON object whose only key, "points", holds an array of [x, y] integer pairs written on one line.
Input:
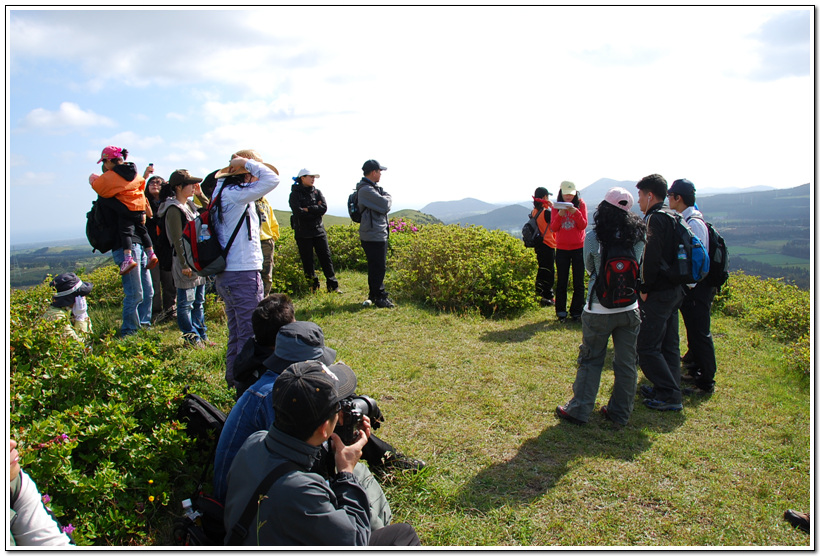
{"points": [[544, 227]]}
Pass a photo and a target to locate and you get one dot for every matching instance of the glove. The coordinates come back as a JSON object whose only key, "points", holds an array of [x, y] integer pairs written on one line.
{"points": [[80, 309]]}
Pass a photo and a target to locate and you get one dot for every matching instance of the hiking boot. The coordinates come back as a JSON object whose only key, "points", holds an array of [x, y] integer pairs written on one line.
{"points": [[400, 462], [385, 303], [698, 390], [545, 302], [127, 265], [647, 391], [152, 261], [659, 405], [607, 417], [798, 519], [561, 413]]}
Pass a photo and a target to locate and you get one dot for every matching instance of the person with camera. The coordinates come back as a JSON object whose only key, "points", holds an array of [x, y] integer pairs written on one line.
{"points": [[300, 507], [297, 341]]}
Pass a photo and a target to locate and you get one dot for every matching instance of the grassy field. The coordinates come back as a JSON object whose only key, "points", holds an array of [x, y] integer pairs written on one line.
{"points": [[475, 399]]}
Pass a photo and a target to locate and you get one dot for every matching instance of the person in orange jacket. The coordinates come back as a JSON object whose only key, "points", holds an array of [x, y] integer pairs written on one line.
{"points": [[120, 181], [544, 251]]}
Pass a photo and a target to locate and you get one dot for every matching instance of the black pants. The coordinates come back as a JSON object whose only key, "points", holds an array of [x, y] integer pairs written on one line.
{"points": [[545, 278], [395, 534], [307, 245], [696, 311], [376, 253], [563, 259], [129, 223], [659, 343]]}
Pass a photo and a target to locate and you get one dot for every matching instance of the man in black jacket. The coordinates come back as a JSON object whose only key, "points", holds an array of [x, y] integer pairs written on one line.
{"points": [[658, 341]]}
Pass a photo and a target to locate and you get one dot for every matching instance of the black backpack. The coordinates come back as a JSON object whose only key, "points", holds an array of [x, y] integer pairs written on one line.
{"points": [[617, 280], [530, 233], [353, 207], [718, 257], [101, 227]]}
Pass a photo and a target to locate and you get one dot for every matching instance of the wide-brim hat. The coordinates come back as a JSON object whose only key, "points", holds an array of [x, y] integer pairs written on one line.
{"points": [[245, 153], [299, 341], [68, 287]]}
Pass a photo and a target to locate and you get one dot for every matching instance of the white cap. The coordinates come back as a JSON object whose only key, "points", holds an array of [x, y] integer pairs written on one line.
{"points": [[306, 172]]}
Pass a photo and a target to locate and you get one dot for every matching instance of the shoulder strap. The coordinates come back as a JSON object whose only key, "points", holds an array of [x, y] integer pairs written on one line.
{"points": [[239, 225], [240, 529]]}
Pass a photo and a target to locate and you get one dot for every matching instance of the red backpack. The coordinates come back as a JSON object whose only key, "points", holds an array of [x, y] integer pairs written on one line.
{"points": [[617, 281]]}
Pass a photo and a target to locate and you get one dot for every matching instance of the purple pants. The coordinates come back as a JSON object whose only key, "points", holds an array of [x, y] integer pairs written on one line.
{"points": [[242, 291]]}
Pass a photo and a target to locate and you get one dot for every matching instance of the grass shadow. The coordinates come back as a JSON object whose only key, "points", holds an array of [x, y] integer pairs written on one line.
{"points": [[541, 462]]}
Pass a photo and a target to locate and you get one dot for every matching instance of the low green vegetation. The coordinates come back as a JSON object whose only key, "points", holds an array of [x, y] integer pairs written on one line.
{"points": [[473, 396]]}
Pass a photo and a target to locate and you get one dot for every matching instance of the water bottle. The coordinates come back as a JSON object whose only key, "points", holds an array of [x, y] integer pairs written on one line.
{"points": [[189, 512], [683, 264], [204, 233]]}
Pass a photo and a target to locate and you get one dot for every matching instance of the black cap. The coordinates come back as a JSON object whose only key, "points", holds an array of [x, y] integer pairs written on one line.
{"points": [[371, 165], [68, 287], [306, 393], [682, 187], [182, 177]]}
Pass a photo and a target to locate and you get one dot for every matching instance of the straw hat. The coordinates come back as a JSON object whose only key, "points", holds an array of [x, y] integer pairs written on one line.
{"points": [[245, 153]]}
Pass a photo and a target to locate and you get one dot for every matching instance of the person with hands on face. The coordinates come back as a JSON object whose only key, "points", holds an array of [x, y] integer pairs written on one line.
{"points": [[178, 210], [301, 507]]}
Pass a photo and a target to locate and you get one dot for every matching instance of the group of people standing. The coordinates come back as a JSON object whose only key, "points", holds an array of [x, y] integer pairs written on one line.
{"points": [[643, 332]]}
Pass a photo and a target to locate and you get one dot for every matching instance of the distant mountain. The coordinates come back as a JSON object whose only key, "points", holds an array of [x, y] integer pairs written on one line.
{"points": [[594, 193], [510, 219], [776, 204], [450, 211]]}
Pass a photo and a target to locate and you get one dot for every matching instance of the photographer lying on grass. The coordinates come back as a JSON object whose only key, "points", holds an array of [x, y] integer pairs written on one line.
{"points": [[301, 507]]}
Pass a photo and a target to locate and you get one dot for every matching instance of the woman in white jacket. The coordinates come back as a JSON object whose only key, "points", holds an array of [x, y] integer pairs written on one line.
{"points": [[238, 187]]}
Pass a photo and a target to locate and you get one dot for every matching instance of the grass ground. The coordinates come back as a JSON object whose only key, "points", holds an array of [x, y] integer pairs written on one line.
{"points": [[475, 399]]}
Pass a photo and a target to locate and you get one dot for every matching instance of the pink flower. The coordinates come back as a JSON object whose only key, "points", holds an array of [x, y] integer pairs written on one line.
{"points": [[68, 529], [46, 498]]}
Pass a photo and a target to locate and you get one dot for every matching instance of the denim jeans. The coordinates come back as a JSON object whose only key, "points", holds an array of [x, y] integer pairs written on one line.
{"points": [[242, 291], [597, 328], [138, 291], [191, 313]]}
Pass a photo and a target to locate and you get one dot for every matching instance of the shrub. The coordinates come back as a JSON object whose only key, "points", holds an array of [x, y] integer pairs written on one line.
{"points": [[288, 274], [346, 248], [798, 355], [464, 269]]}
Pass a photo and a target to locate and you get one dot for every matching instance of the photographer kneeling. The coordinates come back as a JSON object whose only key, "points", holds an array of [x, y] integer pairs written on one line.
{"points": [[300, 507]]}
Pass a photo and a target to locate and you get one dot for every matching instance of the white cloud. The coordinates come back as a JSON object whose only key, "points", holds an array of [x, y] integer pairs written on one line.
{"points": [[69, 116], [36, 179]]}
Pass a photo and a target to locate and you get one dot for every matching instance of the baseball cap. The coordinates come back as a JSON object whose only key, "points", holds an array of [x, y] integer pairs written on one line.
{"points": [[306, 393], [619, 197], [111, 152], [371, 165], [182, 177], [682, 187], [567, 188], [306, 172]]}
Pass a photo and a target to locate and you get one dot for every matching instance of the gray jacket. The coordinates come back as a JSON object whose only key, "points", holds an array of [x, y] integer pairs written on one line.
{"points": [[175, 221], [300, 508], [374, 204]]}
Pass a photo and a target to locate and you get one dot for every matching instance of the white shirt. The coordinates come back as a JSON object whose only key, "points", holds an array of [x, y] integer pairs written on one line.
{"points": [[245, 253]]}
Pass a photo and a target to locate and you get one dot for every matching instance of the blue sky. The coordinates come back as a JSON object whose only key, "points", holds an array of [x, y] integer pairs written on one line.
{"points": [[483, 102]]}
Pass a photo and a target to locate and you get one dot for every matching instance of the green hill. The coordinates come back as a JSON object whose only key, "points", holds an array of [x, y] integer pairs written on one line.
{"points": [[416, 216]]}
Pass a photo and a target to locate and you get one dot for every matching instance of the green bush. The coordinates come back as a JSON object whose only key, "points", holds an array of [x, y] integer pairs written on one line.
{"points": [[798, 355], [346, 248], [288, 274], [465, 269]]}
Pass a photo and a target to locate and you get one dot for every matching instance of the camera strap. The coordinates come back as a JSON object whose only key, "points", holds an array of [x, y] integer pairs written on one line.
{"points": [[240, 529]]}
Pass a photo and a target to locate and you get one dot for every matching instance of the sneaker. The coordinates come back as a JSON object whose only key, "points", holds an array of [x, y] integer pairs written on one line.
{"points": [[385, 303], [367, 303], [798, 519], [561, 413], [659, 405], [647, 391], [127, 265], [152, 261], [335, 290], [545, 302], [400, 462]]}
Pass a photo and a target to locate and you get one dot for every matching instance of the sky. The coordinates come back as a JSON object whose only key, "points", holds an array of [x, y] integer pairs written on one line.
{"points": [[482, 102]]}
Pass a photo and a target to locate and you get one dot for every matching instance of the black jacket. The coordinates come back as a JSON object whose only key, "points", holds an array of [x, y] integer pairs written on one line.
{"points": [[661, 246], [248, 366], [307, 224]]}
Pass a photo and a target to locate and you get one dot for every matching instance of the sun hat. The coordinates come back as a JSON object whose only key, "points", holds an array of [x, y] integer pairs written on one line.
{"points": [[568, 188], [371, 165], [306, 172], [244, 153], [299, 341], [619, 197], [112, 152], [182, 177], [307, 392], [68, 287]]}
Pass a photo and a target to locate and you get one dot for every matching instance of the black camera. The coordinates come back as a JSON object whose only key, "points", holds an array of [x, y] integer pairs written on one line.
{"points": [[353, 408]]}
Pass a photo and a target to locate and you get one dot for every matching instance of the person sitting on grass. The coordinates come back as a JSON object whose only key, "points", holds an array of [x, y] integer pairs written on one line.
{"points": [[302, 507], [71, 292]]}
